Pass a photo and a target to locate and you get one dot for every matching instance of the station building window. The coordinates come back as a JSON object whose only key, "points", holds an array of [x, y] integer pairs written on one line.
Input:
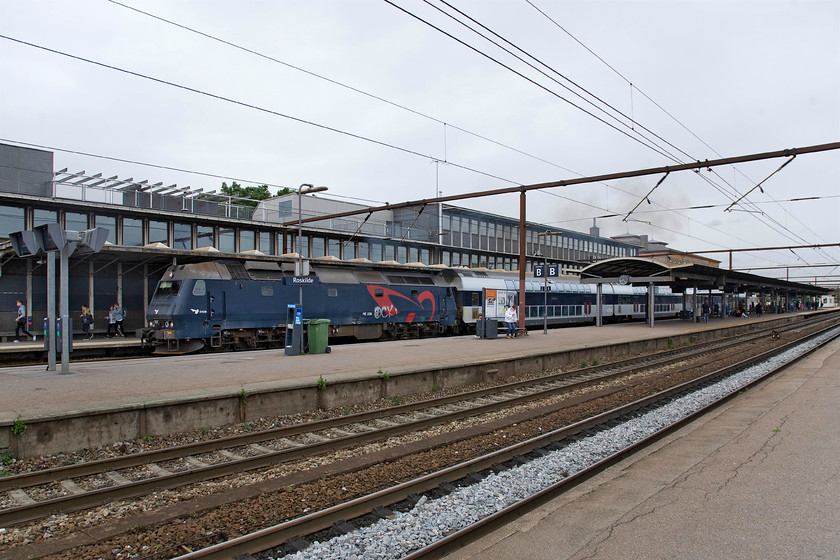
{"points": [[13, 218], [350, 251], [159, 232], [41, 217], [364, 250], [319, 247], [246, 240], [388, 253], [425, 256], [205, 236], [334, 246], [182, 236], [227, 240], [267, 242], [132, 233], [302, 246], [402, 254], [75, 221], [109, 223]]}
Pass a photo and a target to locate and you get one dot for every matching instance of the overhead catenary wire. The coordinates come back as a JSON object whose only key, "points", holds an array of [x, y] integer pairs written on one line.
{"points": [[775, 226], [350, 87], [661, 108], [251, 106]]}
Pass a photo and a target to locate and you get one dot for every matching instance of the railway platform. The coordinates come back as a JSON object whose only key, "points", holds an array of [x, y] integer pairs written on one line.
{"points": [[100, 402], [756, 478]]}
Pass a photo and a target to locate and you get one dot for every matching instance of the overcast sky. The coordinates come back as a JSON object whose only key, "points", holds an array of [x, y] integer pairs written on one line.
{"points": [[709, 79]]}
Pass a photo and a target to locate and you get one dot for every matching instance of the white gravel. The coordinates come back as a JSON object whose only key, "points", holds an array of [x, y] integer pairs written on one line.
{"points": [[431, 520]]}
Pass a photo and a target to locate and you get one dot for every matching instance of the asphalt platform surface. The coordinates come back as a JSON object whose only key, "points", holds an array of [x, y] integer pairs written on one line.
{"points": [[758, 478]]}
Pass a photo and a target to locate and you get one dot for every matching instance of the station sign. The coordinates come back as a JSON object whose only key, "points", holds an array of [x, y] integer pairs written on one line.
{"points": [[547, 271], [301, 280]]}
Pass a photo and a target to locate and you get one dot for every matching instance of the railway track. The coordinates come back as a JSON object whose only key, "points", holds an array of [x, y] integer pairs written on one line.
{"points": [[420, 494], [38, 494], [86, 485]]}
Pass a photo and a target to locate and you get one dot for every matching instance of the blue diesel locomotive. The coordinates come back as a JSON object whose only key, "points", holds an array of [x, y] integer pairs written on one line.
{"points": [[226, 305]]}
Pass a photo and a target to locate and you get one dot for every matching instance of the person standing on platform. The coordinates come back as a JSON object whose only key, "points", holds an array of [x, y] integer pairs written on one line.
{"points": [[119, 316], [112, 322], [511, 318], [705, 311], [87, 320], [21, 322]]}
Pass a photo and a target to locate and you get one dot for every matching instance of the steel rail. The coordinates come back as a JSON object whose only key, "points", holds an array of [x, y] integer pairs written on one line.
{"points": [[279, 534], [457, 539], [541, 388]]}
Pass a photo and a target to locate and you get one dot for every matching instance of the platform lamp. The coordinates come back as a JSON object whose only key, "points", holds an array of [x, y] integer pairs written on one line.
{"points": [[305, 188], [52, 239]]}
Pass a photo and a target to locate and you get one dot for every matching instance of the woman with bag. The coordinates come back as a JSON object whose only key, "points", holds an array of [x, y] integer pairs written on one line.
{"points": [[87, 321]]}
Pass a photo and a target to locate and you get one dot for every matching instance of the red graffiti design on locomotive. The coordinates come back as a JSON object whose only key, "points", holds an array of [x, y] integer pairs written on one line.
{"points": [[389, 309]]}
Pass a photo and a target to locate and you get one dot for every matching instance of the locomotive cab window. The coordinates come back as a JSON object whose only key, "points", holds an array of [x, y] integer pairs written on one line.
{"points": [[200, 288], [168, 288]]}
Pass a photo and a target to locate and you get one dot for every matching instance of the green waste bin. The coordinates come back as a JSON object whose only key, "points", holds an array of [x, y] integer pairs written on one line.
{"points": [[319, 334]]}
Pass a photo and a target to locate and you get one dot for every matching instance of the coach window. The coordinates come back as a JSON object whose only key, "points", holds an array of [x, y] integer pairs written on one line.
{"points": [[159, 232], [109, 223], [246, 240], [74, 221], [267, 242], [13, 218], [205, 236], [227, 240], [41, 217], [182, 238], [334, 246], [132, 232]]}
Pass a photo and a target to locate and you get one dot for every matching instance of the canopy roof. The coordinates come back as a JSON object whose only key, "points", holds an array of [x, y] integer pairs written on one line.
{"points": [[641, 271]]}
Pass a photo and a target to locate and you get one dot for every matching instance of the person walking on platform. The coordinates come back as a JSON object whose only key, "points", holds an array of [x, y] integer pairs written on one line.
{"points": [[112, 322], [87, 320], [511, 318], [21, 322], [705, 311], [119, 316]]}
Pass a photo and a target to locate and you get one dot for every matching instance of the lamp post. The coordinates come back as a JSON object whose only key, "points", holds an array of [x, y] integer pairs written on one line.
{"points": [[545, 278], [302, 191]]}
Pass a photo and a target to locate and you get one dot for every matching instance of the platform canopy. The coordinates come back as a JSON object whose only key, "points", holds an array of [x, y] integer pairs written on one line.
{"points": [[641, 271]]}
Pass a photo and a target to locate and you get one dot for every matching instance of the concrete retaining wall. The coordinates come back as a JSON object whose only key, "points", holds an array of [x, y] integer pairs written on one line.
{"points": [[50, 435]]}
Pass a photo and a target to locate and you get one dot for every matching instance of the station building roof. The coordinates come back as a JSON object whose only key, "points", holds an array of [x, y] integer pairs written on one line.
{"points": [[642, 271]]}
